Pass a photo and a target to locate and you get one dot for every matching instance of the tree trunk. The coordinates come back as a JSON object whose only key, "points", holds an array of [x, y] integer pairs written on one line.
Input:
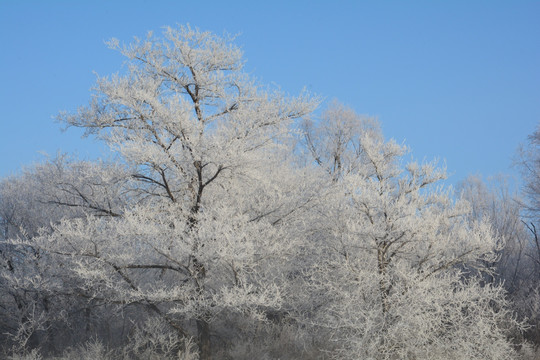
{"points": [[384, 287], [203, 329]]}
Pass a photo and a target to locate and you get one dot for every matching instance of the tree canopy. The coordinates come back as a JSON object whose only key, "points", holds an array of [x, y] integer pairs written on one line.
{"points": [[235, 223]]}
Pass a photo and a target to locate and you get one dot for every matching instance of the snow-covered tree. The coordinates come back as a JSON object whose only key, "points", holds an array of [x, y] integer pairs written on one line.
{"points": [[529, 164], [205, 147], [333, 141], [397, 271], [493, 201], [212, 232], [36, 289]]}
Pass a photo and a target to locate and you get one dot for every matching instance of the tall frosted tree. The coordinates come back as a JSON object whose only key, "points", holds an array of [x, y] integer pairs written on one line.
{"points": [[204, 145], [397, 275]]}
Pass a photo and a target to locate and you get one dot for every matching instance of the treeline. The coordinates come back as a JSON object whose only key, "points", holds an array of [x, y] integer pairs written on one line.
{"points": [[232, 224]]}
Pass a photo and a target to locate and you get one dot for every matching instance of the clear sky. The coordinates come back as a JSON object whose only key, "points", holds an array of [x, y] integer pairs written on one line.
{"points": [[456, 80]]}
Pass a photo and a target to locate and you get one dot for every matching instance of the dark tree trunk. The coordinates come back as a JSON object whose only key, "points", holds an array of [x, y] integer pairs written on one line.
{"points": [[203, 329]]}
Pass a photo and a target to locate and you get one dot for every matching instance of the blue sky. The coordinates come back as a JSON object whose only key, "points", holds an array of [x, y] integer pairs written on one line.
{"points": [[454, 80]]}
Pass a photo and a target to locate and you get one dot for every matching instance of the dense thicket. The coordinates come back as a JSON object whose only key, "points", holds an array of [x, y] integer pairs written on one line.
{"points": [[235, 226]]}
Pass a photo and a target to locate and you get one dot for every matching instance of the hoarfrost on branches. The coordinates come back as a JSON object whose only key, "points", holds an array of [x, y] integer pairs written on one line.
{"points": [[219, 232]]}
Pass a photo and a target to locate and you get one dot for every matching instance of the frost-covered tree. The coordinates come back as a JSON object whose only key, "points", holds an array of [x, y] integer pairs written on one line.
{"points": [[215, 238], [397, 271], [204, 145], [493, 201], [37, 296], [529, 164], [333, 141], [21, 307], [515, 267]]}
